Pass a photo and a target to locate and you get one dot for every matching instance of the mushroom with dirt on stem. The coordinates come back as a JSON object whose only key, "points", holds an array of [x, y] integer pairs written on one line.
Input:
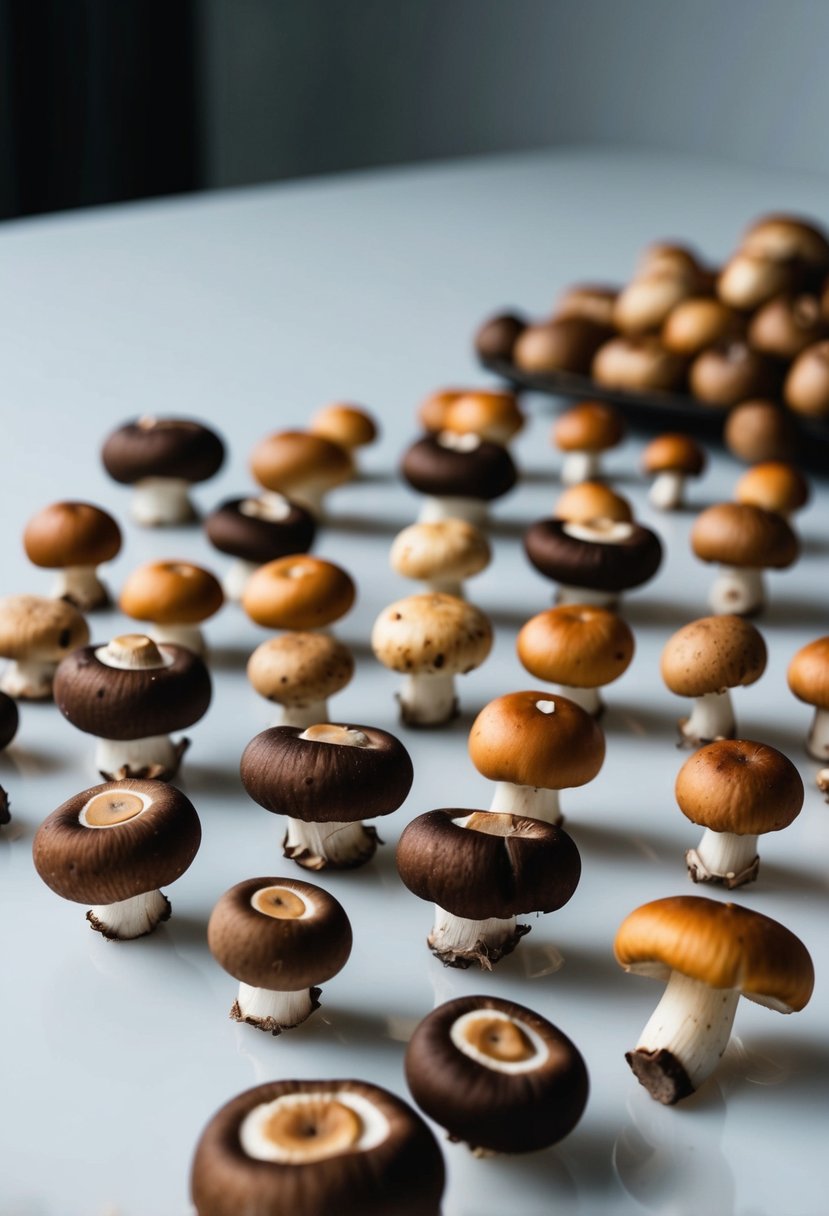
{"points": [[175, 597], [299, 592], [584, 433], [299, 672], [255, 531], [595, 561], [74, 538], [460, 475], [671, 459], [743, 540], [161, 458], [808, 679], [441, 554], [36, 634], [301, 466], [579, 648]]}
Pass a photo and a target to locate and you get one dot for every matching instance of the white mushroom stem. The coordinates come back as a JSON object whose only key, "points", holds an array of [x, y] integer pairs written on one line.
{"points": [[457, 935], [237, 578], [817, 744], [317, 845], [427, 698], [303, 716], [189, 636], [81, 586], [737, 589], [723, 856], [580, 466], [162, 500], [667, 491], [473, 510], [130, 918], [509, 799], [284, 1009], [712, 717], [113, 756], [585, 595], [693, 1022], [28, 679], [589, 699], [446, 586]]}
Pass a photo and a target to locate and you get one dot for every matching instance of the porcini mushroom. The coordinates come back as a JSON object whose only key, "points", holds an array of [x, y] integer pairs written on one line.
{"points": [[760, 430], [176, 597], [774, 485], [589, 500], [74, 538], [671, 459], [745, 540], [36, 633], [113, 846], [327, 779], [300, 671], [710, 953], [441, 554], [255, 531], [9, 720], [350, 426], [481, 871], [279, 938], [459, 474], [584, 433], [578, 647], [301, 466], [808, 678], [593, 562], [298, 592], [161, 458]]}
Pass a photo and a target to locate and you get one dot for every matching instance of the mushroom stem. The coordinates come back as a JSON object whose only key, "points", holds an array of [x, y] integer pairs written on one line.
{"points": [[585, 595], [303, 715], [80, 585], [150, 757], [320, 846], [446, 586], [724, 857], [473, 510], [667, 492], [459, 942], [237, 577], [685, 1038], [712, 717], [310, 496], [428, 699], [28, 679], [526, 800], [588, 699], [128, 918], [738, 590], [817, 744], [189, 636], [273, 1011], [162, 500], [580, 466]]}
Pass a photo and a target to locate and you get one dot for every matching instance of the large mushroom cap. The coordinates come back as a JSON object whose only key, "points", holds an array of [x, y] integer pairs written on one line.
{"points": [[712, 654], [601, 555], [32, 627], [171, 593], [674, 453], [350, 426], [576, 644], [287, 461], [494, 415], [260, 530], [459, 466], [442, 549], [589, 500], [300, 668], [431, 633], [808, 674], [71, 534], [773, 485], [734, 785], [298, 592], [591, 426], [537, 739], [162, 447], [739, 534]]}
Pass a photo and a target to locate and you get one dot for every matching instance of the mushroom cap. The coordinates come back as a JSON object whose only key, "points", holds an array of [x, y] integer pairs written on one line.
{"points": [[171, 593], [589, 500], [786, 325], [432, 410], [45, 630], [731, 372], [600, 555], [499, 866], [278, 942], [576, 644], [432, 633], [734, 785], [673, 453], [132, 703], [496, 337], [538, 739], [71, 534], [298, 592], [750, 277], [647, 300], [720, 944], [638, 363], [494, 415], [806, 390], [739, 534], [774, 485], [590, 301], [289, 460], [760, 430], [258, 531], [299, 668], [785, 238], [9, 719], [712, 654], [697, 323], [350, 426], [403, 1173], [591, 426], [445, 548], [566, 344], [162, 447], [322, 782], [459, 467], [669, 256], [117, 840], [808, 674], [515, 1109]]}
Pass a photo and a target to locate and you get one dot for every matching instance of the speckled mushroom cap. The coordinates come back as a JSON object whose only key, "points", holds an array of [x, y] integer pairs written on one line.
{"points": [[462, 466], [432, 633], [760, 430], [348, 425], [712, 654], [806, 390], [731, 372], [697, 323], [739, 534], [637, 364], [171, 593], [298, 668], [71, 534], [298, 592], [494, 415], [395, 1166], [808, 674], [162, 447], [539, 739], [600, 555], [674, 453], [287, 461], [735, 785], [44, 630], [260, 530], [442, 549], [722, 945], [591, 426], [774, 485], [576, 644], [589, 500]]}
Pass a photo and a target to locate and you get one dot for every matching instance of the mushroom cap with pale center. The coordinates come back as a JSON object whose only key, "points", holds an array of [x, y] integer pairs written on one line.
{"points": [[808, 674], [171, 593], [33, 627], [260, 530], [178, 448], [442, 549], [458, 466], [739, 534], [592, 426], [576, 644], [735, 785], [774, 485], [589, 500], [432, 634], [71, 534], [298, 592], [350, 426], [713, 654], [600, 554], [674, 453], [300, 667], [289, 460]]}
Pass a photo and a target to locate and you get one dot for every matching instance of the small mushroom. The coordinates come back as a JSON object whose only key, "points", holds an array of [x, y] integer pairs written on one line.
{"points": [[578, 647], [130, 694], [566, 344], [737, 790], [430, 639], [298, 592], [638, 364], [704, 659], [583, 434], [279, 938], [310, 1148], [589, 500], [492, 415], [724, 375], [350, 426], [774, 485], [327, 779], [9, 720], [301, 466], [36, 633], [697, 323], [496, 337], [671, 459], [744, 540], [648, 299], [113, 846], [460, 475], [255, 531], [74, 538], [786, 325], [710, 953], [593, 562], [808, 678], [496, 1075], [750, 278], [760, 430], [300, 671], [481, 871], [161, 458], [806, 390], [175, 597], [441, 554], [590, 301]]}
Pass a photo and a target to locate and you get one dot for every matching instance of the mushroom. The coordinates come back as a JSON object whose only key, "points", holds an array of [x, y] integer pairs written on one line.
{"points": [[313, 1147], [593, 562], [161, 458], [36, 633], [638, 364], [649, 299], [492, 415], [496, 338], [481, 870], [578, 647], [533, 744], [430, 639], [750, 278], [130, 694], [279, 938], [808, 678], [710, 953], [731, 372], [704, 659], [789, 239], [350, 426], [113, 846], [496, 1075], [737, 790], [669, 257], [326, 779], [774, 485], [583, 434], [460, 475], [786, 325], [566, 344], [255, 531], [300, 671], [697, 323], [589, 500], [806, 390], [591, 301], [74, 538], [744, 540], [442, 554], [9, 720], [301, 466], [760, 430], [298, 592], [175, 596], [671, 459], [432, 411]]}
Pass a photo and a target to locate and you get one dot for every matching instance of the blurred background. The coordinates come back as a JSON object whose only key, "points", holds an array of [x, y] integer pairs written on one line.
{"points": [[109, 100]]}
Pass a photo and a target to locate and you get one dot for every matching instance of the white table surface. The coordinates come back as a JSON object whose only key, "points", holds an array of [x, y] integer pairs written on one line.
{"points": [[250, 310]]}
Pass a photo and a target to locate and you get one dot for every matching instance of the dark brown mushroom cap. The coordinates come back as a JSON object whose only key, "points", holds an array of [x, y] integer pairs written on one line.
{"points": [[280, 953], [735, 785], [713, 654], [402, 1176], [507, 1112], [132, 703], [497, 336], [240, 531], [162, 447], [739, 534], [71, 534], [531, 867], [9, 719], [108, 863], [485, 472], [326, 782], [595, 564]]}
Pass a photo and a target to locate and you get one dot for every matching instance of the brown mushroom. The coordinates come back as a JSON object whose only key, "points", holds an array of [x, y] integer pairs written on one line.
{"points": [[744, 540], [672, 459], [74, 538]]}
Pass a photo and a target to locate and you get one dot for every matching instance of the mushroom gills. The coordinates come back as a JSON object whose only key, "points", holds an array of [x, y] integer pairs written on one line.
{"points": [[817, 744], [28, 679], [154, 757], [738, 590], [162, 500], [129, 918], [188, 636], [434, 509], [428, 699], [80, 585], [237, 577], [320, 846], [459, 942], [588, 699], [528, 801], [272, 1011], [667, 493], [724, 857], [580, 466], [712, 717]]}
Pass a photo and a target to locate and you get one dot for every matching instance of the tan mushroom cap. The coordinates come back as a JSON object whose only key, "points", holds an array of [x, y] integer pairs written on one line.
{"points": [[520, 739], [713, 654], [591, 426], [738, 534], [576, 644], [808, 674], [71, 534], [349, 426], [590, 500], [300, 667], [673, 453], [492, 415], [33, 627], [806, 389], [786, 238], [722, 945], [760, 430], [286, 461], [593, 301], [736, 785], [774, 485], [171, 593], [430, 634], [638, 363], [433, 409], [444, 549], [298, 592], [697, 323]]}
